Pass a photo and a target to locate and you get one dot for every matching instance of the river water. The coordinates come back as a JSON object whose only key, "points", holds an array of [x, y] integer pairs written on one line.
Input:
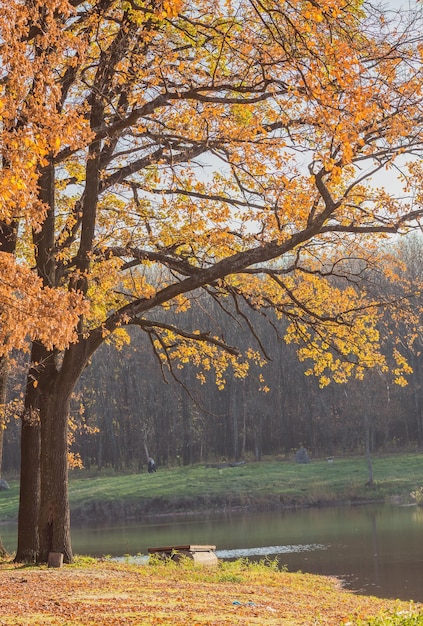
{"points": [[374, 549]]}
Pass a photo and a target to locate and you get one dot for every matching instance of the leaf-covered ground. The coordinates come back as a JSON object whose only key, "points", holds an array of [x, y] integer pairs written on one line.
{"points": [[234, 594]]}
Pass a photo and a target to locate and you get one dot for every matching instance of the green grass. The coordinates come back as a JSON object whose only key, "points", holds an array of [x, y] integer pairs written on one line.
{"points": [[9, 502], [254, 484], [397, 620]]}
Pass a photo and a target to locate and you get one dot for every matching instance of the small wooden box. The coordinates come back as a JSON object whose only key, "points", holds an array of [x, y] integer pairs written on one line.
{"points": [[201, 555], [55, 559]]}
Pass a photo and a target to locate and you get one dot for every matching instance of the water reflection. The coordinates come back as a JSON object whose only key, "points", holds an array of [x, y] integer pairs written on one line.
{"points": [[267, 551], [376, 550]]}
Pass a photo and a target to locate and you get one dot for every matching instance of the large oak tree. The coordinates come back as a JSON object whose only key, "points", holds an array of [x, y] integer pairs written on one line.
{"points": [[218, 148], [31, 126]]}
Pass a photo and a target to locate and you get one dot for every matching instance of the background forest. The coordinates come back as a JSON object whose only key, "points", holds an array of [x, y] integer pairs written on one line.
{"points": [[129, 400]]}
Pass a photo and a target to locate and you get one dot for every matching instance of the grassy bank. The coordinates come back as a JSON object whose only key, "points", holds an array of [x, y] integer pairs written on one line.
{"points": [[264, 485], [233, 594]]}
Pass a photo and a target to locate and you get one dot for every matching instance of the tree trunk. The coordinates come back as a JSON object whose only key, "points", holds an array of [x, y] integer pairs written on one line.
{"points": [[39, 376], [233, 413], [57, 384], [147, 455], [186, 429], [54, 519], [29, 494], [3, 552], [3, 382], [44, 520], [368, 453], [4, 370]]}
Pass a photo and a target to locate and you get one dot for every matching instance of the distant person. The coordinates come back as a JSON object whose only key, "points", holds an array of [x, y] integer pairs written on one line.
{"points": [[151, 466]]}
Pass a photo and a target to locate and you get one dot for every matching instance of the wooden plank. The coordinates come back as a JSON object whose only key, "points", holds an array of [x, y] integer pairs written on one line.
{"points": [[201, 555], [185, 548]]}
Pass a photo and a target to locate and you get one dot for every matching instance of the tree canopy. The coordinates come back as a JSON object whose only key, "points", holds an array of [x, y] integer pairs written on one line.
{"points": [[208, 142]]}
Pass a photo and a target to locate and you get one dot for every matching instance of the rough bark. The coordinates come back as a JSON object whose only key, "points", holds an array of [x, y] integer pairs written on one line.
{"points": [[3, 382], [29, 495], [54, 519], [27, 549], [44, 518], [57, 384]]}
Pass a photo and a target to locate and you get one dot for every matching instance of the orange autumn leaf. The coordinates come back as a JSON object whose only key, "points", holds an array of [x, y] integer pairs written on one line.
{"points": [[29, 311]]}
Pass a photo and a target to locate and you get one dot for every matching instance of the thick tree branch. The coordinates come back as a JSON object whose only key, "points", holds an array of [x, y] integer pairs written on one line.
{"points": [[205, 337]]}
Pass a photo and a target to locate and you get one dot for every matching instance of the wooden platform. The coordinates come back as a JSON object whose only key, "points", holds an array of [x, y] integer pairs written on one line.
{"points": [[201, 555]]}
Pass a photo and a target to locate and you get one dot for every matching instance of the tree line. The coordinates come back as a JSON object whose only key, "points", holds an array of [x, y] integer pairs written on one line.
{"points": [[127, 403]]}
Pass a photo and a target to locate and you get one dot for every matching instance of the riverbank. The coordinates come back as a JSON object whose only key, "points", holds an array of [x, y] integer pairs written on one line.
{"points": [[233, 594], [270, 484]]}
